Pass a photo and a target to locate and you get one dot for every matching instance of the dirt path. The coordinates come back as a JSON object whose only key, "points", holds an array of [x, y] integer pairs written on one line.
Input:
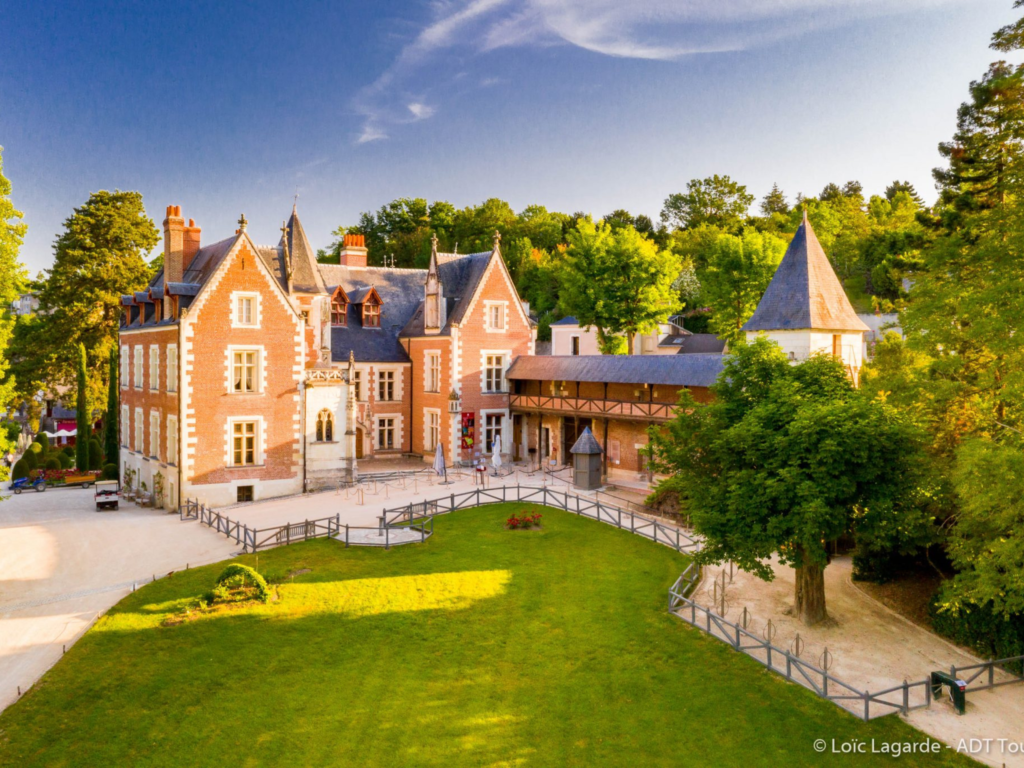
{"points": [[874, 648], [62, 564]]}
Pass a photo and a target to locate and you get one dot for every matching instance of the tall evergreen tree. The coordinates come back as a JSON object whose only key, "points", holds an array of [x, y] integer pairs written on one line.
{"points": [[100, 256], [111, 432], [84, 432]]}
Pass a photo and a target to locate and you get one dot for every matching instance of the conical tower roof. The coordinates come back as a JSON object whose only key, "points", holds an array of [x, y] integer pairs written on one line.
{"points": [[805, 293], [305, 275]]}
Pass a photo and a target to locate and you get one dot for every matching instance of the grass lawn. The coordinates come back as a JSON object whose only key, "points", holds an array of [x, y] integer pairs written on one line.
{"points": [[481, 647]]}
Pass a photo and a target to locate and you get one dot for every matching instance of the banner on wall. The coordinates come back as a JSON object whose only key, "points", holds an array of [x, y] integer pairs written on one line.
{"points": [[468, 431]]}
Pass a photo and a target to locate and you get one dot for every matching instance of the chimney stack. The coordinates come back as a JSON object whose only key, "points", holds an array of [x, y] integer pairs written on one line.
{"points": [[190, 245], [174, 244], [353, 251]]}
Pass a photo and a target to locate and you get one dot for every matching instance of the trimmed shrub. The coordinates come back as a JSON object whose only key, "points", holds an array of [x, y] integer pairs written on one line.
{"points": [[69, 451], [66, 462], [52, 463], [43, 440], [989, 633], [95, 454], [110, 471], [238, 575], [20, 470], [29, 457], [13, 429]]}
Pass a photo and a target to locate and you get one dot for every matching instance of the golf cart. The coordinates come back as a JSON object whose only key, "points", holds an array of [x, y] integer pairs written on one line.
{"points": [[108, 494]]}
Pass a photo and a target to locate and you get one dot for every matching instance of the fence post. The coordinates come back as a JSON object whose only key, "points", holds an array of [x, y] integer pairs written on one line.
{"points": [[452, 509], [906, 697], [346, 535], [789, 666], [867, 702], [387, 538]]}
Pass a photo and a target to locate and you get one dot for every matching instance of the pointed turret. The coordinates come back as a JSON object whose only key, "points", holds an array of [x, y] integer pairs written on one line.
{"points": [[434, 308], [300, 258], [805, 293]]}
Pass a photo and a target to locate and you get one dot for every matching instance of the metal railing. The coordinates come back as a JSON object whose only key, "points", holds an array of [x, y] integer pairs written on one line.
{"points": [[1006, 666]]}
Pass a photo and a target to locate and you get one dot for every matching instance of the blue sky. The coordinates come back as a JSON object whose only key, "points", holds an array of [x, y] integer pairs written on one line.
{"points": [[584, 105]]}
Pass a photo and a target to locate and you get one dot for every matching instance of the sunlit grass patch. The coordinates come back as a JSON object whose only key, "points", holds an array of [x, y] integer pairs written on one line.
{"points": [[483, 646]]}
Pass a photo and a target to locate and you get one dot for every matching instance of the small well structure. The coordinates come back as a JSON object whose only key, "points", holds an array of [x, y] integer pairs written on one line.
{"points": [[586, 461]]}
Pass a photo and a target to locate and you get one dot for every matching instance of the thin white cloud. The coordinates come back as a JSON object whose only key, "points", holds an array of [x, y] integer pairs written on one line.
{"points": [[660, 30]]}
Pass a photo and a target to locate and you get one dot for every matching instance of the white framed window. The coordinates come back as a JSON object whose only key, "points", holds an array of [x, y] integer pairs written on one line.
{"points": [[245, 371], [244, 445], [245, 312], [125, 373], [154, 368], [138, 447], [494, 373], [172, 439], [172, 368], [493, 424], [137, 373], [432, 377], [125, 426], [385, 385], [431, 429], [494, 316], [386, 433], [154, 434], [325, 426]]}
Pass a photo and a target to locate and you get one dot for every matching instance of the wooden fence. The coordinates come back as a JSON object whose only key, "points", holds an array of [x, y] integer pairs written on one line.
{"points": [[634, 522]]}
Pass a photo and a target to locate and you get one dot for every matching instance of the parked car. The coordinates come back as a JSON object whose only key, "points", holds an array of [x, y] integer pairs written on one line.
{"points": [[24, 483], [108, 494]]}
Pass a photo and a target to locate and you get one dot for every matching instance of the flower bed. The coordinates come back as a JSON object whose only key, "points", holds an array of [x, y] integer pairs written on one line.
{"points": [[60, 476], [523, 520]]}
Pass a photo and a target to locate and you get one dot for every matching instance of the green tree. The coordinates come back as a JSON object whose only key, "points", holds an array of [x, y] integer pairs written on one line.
{"points": [[111, 433], [100, 255], [716, 200], [82, 410], [618, 282], [12, 280], [737, 273], [774, 202], [785, 460]]}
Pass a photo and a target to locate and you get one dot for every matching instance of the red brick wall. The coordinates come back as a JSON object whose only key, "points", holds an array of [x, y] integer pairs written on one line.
{"points": [[162, 400], [280, 334], [473, 338], [417, 349]]}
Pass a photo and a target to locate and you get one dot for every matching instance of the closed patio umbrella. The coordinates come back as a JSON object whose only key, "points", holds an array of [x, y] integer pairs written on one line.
{"points": [[439, 466]]}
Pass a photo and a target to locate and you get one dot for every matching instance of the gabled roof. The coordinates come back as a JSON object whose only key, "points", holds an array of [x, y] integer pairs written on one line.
{"points": [[460, 274], [805, 293], [693, 343], [570, 320], [670, 370]]}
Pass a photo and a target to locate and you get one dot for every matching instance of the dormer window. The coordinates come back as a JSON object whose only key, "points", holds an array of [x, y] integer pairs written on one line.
{"points": [[371, 314], [339, 311]]}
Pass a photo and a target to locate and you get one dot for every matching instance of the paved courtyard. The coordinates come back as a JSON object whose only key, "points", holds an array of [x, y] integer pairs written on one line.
{"points": [[62, 564]]}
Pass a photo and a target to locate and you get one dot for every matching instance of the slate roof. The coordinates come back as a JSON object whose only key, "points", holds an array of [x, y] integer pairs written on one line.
{"points": [[700, 370], [805, 292], [693, 343], [401, 293], [586, 444], [460, 274], [570, 320], [306, 276]]}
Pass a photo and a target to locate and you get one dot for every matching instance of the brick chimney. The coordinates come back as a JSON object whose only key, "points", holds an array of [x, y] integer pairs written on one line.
{"points": [[174, 244], [190, 245], [353, 251]]}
